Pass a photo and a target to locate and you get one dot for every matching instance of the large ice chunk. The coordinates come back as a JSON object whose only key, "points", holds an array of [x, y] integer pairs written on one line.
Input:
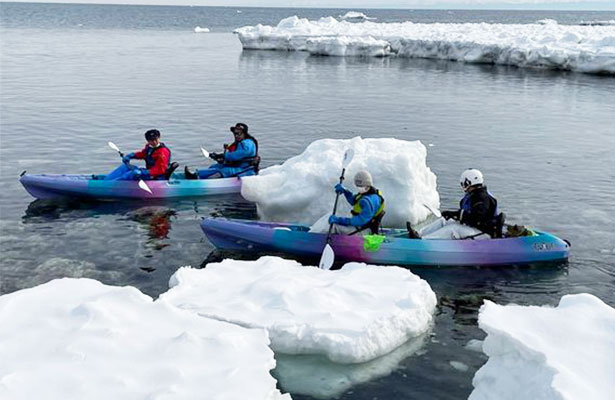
{"points": [[567, 352], [586, 48], [353, 315], [80, 339], [301, 189]]}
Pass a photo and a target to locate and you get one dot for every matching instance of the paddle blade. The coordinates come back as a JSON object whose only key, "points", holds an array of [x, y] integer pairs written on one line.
{"points": [[435, 212], [144, 186], [113, 146], [348, 156], [327, 258], [205, 153]]}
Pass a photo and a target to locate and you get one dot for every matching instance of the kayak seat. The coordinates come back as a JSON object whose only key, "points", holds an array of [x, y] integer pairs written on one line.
{"points": [[254, 165], [498, 226], [170, 170]]}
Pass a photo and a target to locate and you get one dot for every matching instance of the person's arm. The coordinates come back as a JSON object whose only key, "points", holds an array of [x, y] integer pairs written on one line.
{"points": [[245, 149], [161, 158], [140, 155]]}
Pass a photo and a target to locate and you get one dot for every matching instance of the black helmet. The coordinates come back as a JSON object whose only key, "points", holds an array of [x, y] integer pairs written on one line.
{"points": [[240, 126], [152, 134]]}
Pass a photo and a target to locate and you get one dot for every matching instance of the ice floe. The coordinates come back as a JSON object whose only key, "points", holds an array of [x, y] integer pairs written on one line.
{"points": [[353, 315], [301, 189], [80, 339], [198, 29], [566, 352], [546, 44], [355, 15]]}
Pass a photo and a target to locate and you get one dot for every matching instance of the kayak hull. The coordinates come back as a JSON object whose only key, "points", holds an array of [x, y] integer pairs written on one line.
{"points": [[46, 186], [397, 248]]}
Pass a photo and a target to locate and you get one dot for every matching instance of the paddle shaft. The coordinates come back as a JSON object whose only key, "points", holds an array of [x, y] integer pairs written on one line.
{"points": [[337, 197]]}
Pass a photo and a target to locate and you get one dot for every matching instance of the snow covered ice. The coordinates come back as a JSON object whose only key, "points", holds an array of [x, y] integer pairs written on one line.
{"points": [[353, 315], [80, 339], [198, 29], [355, 15], [301, 189], [566, 352], [546, 44]]}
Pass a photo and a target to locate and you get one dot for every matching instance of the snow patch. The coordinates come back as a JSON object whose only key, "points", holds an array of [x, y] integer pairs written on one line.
{"points": [[80, 339], [546, 44], [301, 189], [352, 315], [566, 352]]}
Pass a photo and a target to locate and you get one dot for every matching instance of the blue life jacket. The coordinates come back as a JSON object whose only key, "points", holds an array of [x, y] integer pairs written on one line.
{"points": [[149, 156]]}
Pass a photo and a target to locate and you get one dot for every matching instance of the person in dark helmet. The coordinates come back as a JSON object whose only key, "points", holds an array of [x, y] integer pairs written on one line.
{"points": [[477, 216], [367, 206], [157, 158], [240, 158]]}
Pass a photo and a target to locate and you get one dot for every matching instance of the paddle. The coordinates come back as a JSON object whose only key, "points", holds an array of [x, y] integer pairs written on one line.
{"points": [[328, 256], [142, 184], [205, 153]]}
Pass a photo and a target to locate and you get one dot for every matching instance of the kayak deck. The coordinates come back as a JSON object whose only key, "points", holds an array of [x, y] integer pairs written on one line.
{"points": [[396, 249], [49, 186]]}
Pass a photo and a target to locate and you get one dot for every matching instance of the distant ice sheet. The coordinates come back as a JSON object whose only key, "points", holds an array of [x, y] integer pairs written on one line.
{"points": [[80, 339], [353, 315], [198, 29], [355, 15], [566, 353], [546, 44]]}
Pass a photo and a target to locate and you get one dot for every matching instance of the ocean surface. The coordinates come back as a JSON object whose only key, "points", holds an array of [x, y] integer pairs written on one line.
{"points": [[73, 77]]}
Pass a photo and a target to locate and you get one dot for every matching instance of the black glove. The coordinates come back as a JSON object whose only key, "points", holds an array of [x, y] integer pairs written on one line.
{"points": [[450, 214], [216, 157]]}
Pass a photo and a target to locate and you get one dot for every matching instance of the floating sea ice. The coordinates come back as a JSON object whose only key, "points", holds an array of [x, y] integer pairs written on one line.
{"points": [[566, 352], [355, 15], [198, 29], [80, 339], [352, 315], [301, 189], [545, 44]]}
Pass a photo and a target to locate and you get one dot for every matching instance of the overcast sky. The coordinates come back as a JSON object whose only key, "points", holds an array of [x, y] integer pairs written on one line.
{"points": [[358, 4]]}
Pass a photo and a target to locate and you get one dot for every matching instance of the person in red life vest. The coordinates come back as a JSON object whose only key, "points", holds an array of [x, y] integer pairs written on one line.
{"points": [[157, 158], [239, 158]]}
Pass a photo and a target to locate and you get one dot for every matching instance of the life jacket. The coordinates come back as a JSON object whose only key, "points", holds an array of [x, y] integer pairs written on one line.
{"points": [[149, 155], [253, 160], [466, 207], [374, 222]]}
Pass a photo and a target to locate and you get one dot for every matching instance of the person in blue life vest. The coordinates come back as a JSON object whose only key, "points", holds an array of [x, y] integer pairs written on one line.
{"points": [[477, 214], [240, 158], [367, 206], [157, 158]]}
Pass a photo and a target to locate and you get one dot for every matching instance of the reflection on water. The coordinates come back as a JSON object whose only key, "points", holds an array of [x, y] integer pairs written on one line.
{"points": [[320, 378]]}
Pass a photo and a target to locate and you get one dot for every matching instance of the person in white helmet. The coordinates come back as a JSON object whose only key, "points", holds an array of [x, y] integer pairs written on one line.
{"points": [[367, 206], [477, 213]]}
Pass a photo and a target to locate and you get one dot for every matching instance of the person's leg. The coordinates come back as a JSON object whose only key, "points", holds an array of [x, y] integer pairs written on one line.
{"points": [[209, 173], [119, 172]]}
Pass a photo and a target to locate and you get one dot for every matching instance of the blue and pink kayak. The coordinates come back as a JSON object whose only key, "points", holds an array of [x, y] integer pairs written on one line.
{"points": [[46, 186], [396, 249]]}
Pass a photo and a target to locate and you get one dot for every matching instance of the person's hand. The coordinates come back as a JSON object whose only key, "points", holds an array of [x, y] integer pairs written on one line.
{"points": [[333, 219], [126, 159], [217, 157], [450, 214], [225, 146], [339, 189]]}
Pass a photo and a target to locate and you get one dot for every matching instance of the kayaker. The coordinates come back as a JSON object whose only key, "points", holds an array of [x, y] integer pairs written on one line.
{"points": [[240, 158], [157, 158], [478, 210], [367, 206]]}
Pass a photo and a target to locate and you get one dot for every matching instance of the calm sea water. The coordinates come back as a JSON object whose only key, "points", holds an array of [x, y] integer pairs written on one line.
{"points": [[74, 77]]}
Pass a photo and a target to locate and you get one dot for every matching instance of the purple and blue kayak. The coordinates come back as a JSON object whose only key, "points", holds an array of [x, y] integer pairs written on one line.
{"points": [[396, 249], [84, 186]]}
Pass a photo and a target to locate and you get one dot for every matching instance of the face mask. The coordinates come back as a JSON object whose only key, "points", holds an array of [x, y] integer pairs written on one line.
{"points": [[363, 189]]}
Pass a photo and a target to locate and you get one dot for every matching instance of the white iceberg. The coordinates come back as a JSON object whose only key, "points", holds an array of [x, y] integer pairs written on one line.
{"points": [[353, 315], [355, 15], [546, 44], [80, 339], [198, 29], [301, 189], [566, 352]]}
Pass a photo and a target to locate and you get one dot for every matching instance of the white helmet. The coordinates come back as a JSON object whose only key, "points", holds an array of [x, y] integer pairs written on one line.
{"points": [[471, 177], [363, 179]]}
